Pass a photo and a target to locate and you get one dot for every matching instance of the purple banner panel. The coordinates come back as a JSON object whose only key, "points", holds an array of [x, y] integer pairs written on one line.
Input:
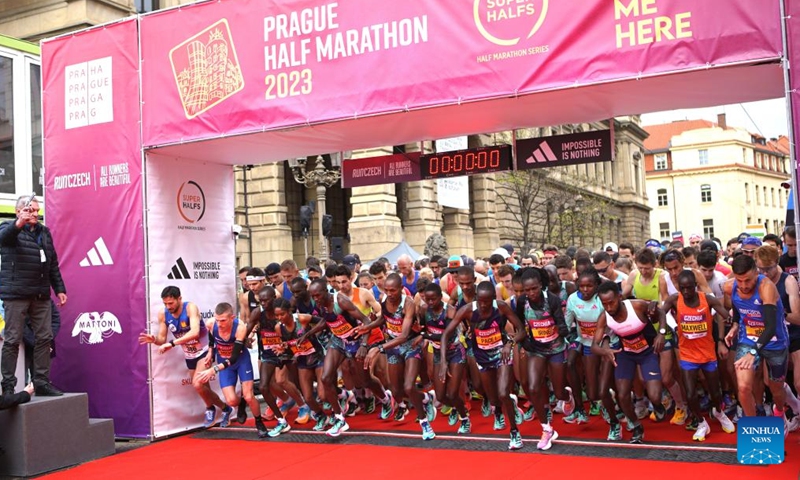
{"points": [[398, 168], [559, 150], [93, 193]]}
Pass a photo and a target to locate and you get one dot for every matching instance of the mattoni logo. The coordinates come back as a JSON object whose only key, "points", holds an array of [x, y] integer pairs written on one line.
{"points": [[542, 154], [191, 202], [98, 255], [506, 22], [93, 327], [179, 271]]}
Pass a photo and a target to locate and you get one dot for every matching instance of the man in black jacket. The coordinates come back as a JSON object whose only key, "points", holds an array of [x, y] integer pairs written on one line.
{"points": [[28, 271]]}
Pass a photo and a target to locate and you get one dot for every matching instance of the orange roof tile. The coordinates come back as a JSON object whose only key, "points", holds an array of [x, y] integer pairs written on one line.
{"points": [[661, 135]]}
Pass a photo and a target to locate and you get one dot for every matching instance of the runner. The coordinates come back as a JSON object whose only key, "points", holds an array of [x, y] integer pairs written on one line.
{"points": [[629, 319], [409, 276], [788, 261], [757, 304], [308, 357], [403, 349], [693, 313], [486, 334], [545, 345], [434, 317], [289, 272], [273, 373], [342, 318], [226, 344], [584, 310], [189, 332]]}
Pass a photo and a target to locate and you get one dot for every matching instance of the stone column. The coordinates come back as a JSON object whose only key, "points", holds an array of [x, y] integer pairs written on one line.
{"points": [[270, 234], [487, 233], [423, 214], [458, 232], [374, 227]]}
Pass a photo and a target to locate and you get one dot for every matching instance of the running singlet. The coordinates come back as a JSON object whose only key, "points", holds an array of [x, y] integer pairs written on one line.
{"points": [[695, 324], [359, 301], [286, 292], [394, 321], [486, 337], [585, 314], [435, 325], [412, 287], [751, 322], [267, 336], [340, 323], [631, 331], [252, 301], [540, 322], [180, 326], [224, 346], [794, 330], [649, 291], [309, 347]]}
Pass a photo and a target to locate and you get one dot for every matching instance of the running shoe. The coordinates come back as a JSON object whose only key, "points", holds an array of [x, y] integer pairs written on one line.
{"points": [[517, 411], [269, 414], [321, 422], [529, 414], [352, 409], [430, 407], [692, 424], [761, 411], [794, 424], [630, 425], [569, 405], [701, 432], [326, 406], [465, 427], [369, 405], [446, 409], [584, 397], [303, 415], [516, 441], [339, 426], [594, 408], [657, 417], [452, 418], [226, 417], [605, 415], [427, 430], [499, 421], [679, 417], [209, 417], [400, 412], [559, 408], [241, 412], [281, 427], [387, 409], [641, 409], [578, 416], [553, 400], [705, 403], [287, 406], [638, 434], [473, 395], [614, 433], [261, 428], [486, 407], [547, 439], [724, 421]]}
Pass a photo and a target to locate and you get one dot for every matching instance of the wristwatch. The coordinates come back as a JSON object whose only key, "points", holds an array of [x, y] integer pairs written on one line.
{"points": [[662, 331], [753, 352], [380, 349]]}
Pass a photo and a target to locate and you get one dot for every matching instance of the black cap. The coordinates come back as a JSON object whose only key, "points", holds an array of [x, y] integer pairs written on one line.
{"points": [[350, 261], [273, 268], [742, 236], [708, 245], [509, 248]]}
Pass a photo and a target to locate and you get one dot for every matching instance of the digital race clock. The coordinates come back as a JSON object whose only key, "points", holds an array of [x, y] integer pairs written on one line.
{"points": [[466, 162]]}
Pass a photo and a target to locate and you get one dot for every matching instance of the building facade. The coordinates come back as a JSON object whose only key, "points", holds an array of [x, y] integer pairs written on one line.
{"points": [[714, 179]]}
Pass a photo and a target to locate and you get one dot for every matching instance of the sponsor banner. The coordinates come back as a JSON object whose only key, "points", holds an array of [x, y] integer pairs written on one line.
{"points": [[93, 193], [453, 192], [677, 236], [235, 66], [792, 19], [755, 230], [189, 215], [570, 149], [398, 168]]}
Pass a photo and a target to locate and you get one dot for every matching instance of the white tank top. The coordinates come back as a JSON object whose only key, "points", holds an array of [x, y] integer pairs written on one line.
{"points": [[632, 324]]}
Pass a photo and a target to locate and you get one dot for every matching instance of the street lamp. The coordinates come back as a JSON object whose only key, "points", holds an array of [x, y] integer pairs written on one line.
{"points": [[322, 178]]}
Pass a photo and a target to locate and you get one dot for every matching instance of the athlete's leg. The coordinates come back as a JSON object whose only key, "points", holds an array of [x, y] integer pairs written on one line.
{"points": [[250, 398], [266, 379], [283, 377], [307, 377], [410, 371], [210, 397], [537, 387], [333, 358]]}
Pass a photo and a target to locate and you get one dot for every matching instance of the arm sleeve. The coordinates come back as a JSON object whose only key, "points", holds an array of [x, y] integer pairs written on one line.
{"points": [[211, 342], [736, 317], [238, 346], [770, 323]]}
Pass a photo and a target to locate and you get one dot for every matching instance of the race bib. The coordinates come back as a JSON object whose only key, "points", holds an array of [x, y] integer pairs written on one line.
{"points": [[694, 329], [270, 339], [392, 328], [635, 345], [489, 339], [754, 330], [340, 327], [305, 348], [587, 329], [435, 331], [543, 330]]}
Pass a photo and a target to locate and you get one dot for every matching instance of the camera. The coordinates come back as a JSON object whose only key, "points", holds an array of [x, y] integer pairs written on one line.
{"points": [[236, 229]]}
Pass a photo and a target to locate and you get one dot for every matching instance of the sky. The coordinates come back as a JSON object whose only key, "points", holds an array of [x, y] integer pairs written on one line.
{"points": [[767, 117]]}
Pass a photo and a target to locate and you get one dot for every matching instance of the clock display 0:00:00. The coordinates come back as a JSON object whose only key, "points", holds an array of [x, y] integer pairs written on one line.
{"points": [[466, 162]]}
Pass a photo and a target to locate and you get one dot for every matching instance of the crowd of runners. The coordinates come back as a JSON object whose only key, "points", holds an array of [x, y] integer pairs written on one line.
{"points": [[696, 335]]}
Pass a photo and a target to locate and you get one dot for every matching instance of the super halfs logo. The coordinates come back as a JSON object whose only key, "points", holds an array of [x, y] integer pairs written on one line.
{"points": [[206, 69], [191, 203], [506, 22]]}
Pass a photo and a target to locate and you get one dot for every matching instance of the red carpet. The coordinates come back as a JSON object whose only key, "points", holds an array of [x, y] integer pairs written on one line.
{"points": [[190, 458]]}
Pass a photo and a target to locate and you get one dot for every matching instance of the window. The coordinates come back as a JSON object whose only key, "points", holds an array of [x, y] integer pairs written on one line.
{"points": [[775, 226], [661, 161], [747, 192], [7, 152], [36, 128], [772, 196], [663, 230], [758, 195], [705, 193], [144, 6], [780, 200], [758, 160], [765, 196], [703, 156], [662, 197], [708, 228]]}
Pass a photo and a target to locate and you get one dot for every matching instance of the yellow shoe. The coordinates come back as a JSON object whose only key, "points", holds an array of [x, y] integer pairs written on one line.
{"points": [[679, 418]]}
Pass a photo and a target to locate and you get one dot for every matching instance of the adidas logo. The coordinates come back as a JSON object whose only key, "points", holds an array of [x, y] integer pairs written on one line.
{"points": [[543, 154], [98, 255], [179, 271]]}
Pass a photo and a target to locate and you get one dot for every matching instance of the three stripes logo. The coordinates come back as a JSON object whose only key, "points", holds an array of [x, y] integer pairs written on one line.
{"points": [[98, 255], [179, 271], [543, 154]]}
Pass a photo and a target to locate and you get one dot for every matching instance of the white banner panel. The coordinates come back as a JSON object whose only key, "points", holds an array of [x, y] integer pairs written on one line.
{"points": [[190, 245], [453, 192]]}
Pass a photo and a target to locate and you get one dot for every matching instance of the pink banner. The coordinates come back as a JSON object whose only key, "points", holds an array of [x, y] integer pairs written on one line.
{"points": [[93, 192], [226, 67], [398, 168], [793, 53]]}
